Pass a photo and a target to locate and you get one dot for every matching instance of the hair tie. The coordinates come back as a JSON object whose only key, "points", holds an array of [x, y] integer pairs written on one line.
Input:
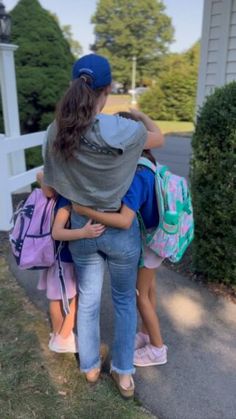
{"points": [[86, 79], [83, 78]]}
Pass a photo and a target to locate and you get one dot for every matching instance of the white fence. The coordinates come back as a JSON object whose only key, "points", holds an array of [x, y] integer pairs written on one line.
{"points": [[10, 184]]}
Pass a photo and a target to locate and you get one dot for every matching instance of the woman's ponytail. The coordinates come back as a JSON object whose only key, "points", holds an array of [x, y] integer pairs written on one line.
{"points": [[74, 115]]}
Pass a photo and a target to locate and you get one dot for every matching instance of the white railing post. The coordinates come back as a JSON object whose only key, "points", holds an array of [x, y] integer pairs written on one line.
{"points": [[10, 104], [13, 183], [5, 196]]}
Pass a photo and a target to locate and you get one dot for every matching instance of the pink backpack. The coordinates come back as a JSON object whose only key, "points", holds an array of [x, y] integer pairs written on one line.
{"points": [[30, 238]]}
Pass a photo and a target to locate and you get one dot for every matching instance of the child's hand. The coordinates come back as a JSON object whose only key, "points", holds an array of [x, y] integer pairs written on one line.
{"points": [[92, 230]]}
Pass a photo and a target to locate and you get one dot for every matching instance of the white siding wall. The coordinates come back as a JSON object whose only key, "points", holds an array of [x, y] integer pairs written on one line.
{"points": [[218, 46], [231, 53]]}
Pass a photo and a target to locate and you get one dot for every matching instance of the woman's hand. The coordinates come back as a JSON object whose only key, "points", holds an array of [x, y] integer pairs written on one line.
{"points": [[92, 230]]}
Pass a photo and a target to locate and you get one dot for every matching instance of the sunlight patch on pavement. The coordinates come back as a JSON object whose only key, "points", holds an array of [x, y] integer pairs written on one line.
{"points": [[228, 313], [184, 311]]}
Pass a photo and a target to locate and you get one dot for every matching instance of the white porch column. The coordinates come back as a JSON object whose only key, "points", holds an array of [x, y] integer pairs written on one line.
{"points": [[10, 104], [6, 209]]}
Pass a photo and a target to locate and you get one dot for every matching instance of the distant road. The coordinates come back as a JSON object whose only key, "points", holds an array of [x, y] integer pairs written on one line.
{"points": [[176, 154]]}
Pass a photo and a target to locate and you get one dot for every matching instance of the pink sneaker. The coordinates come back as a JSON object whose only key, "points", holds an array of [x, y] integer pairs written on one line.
{"points": [[59, 344], [150, 355], [141, 340]]}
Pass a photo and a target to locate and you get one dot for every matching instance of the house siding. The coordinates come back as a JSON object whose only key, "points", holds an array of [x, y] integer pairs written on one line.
{"points": [[218, 47]]}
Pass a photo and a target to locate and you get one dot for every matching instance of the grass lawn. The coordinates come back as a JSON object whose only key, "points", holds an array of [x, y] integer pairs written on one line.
{"points": [[117, 103], [36, 383], [176, 127]]}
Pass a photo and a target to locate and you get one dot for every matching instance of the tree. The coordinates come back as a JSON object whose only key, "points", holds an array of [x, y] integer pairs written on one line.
{"points": [[43, 64], [184, 60], [174, 95], [127, 28], [75, 46]]}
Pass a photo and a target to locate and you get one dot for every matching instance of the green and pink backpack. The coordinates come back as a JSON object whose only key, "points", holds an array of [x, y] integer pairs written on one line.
{"points": [[175, 231]]}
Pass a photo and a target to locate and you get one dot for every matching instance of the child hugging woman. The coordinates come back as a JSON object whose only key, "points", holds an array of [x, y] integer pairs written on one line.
{"points": [[62, 338]]}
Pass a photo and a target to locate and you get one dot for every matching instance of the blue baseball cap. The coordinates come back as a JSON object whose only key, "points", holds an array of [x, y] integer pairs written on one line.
{"points": [[95, 66]]}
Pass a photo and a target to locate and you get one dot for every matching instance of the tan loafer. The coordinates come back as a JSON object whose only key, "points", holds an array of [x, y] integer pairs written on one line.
{"points": [[92, 376], [126, 392]]}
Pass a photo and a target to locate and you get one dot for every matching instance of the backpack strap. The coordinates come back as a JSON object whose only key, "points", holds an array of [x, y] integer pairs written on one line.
{"points": [[156, 169], [143, 161], [163, 170], [65, 300]]}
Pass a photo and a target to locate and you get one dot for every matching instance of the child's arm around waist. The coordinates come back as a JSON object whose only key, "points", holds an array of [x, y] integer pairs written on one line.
{"points": [[60, 232], [122, 219]]}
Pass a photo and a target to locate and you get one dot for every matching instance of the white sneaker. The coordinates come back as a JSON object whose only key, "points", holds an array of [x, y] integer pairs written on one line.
{"points": [[61, 345], [52, 336]]}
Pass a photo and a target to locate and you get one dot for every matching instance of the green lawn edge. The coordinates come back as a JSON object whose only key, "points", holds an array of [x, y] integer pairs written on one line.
{"points": [[36, 383]]}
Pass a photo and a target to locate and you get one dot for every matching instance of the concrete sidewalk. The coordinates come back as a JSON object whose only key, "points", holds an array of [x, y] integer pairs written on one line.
{"points": [[199, 381]]}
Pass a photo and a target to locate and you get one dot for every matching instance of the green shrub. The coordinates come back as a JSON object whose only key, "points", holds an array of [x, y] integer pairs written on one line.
{"points": [[173, 99], [43, 68], [34, 157], [213, 179], [43, 64], [151, 103]]}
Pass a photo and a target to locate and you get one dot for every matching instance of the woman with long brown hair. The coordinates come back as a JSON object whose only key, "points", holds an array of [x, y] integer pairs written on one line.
{"points": [[90, 158]]}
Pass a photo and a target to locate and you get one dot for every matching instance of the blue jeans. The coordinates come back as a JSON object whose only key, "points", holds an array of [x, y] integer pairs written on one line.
{"points": [[120, 249]]}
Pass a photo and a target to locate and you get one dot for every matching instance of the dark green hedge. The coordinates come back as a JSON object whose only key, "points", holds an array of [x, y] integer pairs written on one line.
{"points": [[43, 64], [43, 68], [213, 179]]}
